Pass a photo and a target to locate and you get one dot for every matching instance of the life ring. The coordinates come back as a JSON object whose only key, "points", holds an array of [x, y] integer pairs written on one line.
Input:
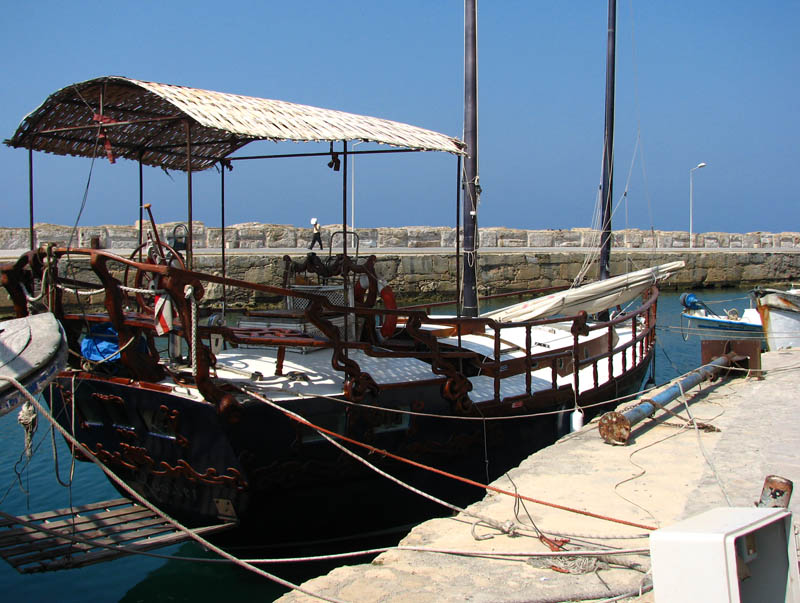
{"points": [[389, 320]]}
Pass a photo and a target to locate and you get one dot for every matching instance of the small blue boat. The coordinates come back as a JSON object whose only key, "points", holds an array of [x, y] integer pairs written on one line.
{"points": [[707, 324]]}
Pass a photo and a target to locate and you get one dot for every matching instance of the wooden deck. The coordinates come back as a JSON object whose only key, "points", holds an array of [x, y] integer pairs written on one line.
{"points": [[78, 536]]}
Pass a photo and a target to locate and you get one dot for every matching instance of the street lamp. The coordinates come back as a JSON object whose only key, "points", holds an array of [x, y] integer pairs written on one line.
{"points": [[691, 203]]}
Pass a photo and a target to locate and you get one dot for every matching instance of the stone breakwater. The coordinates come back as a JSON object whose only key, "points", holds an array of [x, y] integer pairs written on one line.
{"points": [[427, 276], [426, 272], [418, 276], [253, 235]]}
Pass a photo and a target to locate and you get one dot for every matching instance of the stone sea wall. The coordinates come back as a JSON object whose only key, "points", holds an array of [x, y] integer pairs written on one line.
{"points": [[431, 276], [508, 259], [254, 235]]}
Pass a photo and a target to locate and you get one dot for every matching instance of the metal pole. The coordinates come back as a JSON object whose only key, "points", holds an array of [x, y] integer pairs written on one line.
{"points": [[344, 238], [691, 206], [470, 289], [615, 427], [702, 164], [606, 191], [30, 197], [222, 219], [189, 243], [141, 204], [353, 187], [458, 242]]}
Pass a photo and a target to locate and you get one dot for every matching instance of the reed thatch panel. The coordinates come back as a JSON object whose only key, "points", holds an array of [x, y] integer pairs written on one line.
{"points": [[155, 115]]}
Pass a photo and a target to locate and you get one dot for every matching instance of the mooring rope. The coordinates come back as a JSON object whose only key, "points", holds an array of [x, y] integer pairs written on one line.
{"points": [[507, 527], [413, 413], [465, 480]]}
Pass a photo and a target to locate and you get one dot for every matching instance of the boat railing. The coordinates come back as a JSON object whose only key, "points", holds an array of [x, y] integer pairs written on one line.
{"points": [[638, 346], [423, 332], [630, 352]]}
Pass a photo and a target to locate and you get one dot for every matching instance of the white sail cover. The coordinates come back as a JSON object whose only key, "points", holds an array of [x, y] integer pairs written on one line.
{"points": [[591, 298]]}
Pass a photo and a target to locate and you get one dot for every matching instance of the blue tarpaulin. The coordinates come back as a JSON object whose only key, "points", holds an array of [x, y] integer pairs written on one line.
{"points": [[101, 343]]}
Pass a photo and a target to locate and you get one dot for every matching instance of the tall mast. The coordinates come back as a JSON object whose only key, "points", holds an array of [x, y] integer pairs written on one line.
{"points": [[470, 183], [606, 192]]}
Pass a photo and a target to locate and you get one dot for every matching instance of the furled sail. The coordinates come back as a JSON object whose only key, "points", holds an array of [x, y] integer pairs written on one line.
{"points": [[591, 298]]}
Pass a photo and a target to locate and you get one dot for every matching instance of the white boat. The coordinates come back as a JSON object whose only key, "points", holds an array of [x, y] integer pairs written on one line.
{"points": [[708, 324], [780, 316], [33, 350]]}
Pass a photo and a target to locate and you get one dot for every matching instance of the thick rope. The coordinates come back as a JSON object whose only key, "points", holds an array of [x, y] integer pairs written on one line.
{"points": [[189, 292], [412, 413]]}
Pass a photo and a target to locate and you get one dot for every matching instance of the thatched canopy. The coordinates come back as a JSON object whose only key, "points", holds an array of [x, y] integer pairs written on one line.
{"points": [[155, 116]]}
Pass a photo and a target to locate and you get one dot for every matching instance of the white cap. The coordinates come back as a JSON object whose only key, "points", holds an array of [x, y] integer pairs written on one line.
{"points": [[313, 220]]}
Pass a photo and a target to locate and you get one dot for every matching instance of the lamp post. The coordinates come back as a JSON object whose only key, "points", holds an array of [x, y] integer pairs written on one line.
{"points": [[691, 201]]}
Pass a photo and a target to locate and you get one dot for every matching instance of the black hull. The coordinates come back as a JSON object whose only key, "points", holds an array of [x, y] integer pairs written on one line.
{"points": [[281, 481]]}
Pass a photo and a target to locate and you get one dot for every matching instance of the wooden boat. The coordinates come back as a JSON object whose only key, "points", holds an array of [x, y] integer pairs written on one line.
{"points": [[239, 421], [33, 350], [780, 316]]}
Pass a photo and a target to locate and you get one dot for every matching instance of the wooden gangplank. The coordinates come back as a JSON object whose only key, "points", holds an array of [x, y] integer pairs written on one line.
{"points": [[74, 537]]}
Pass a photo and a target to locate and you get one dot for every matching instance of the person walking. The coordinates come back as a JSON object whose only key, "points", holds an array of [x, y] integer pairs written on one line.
{"points": [[317, 236]]}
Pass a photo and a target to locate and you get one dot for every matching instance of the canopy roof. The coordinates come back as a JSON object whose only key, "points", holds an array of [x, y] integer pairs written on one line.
{"points": [[155, 116]]}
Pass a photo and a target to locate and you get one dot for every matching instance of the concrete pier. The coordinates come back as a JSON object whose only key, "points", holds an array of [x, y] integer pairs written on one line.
{"points": [[668, 472]]}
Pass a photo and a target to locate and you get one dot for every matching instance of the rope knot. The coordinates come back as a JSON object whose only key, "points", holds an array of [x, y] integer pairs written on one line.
{"points": [[28, 419]]}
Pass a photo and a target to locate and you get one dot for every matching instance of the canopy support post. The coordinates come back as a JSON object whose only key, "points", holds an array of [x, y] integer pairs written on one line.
{"points": [[459, 301], [141, 205], [30, 197], [344, 238], [189, 246], [222, 243]]}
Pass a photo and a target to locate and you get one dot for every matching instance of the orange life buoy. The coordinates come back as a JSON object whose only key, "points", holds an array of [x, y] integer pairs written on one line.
{"points": [[389, 320]]}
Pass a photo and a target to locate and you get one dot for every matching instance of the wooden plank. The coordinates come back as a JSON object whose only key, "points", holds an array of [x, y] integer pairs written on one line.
{"points": [[69, 511], [116, 522], [103, 555], [67, 547], [79, 523], [40, 541]]}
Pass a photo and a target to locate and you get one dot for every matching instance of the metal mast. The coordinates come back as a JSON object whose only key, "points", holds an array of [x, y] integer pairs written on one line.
{"points": [[606, 192], [470, 182]]}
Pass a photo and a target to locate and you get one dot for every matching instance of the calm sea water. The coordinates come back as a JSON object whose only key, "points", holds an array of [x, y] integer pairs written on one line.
{"points": [[31, 487]]}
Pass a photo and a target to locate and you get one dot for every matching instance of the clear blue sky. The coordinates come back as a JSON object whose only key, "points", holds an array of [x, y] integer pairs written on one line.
{"points": [[713, 81]]}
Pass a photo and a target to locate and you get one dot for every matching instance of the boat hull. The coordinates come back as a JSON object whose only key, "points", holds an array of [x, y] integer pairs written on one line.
{"points": [[33, 350], [780, 316], [710, 327], [282, 482]]}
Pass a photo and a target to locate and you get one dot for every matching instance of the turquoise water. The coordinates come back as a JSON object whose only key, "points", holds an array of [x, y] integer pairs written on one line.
{"points": [[28, 488]]}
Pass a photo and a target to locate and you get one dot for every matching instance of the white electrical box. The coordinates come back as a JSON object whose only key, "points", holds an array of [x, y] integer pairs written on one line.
{"points": [[729, 554]]}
